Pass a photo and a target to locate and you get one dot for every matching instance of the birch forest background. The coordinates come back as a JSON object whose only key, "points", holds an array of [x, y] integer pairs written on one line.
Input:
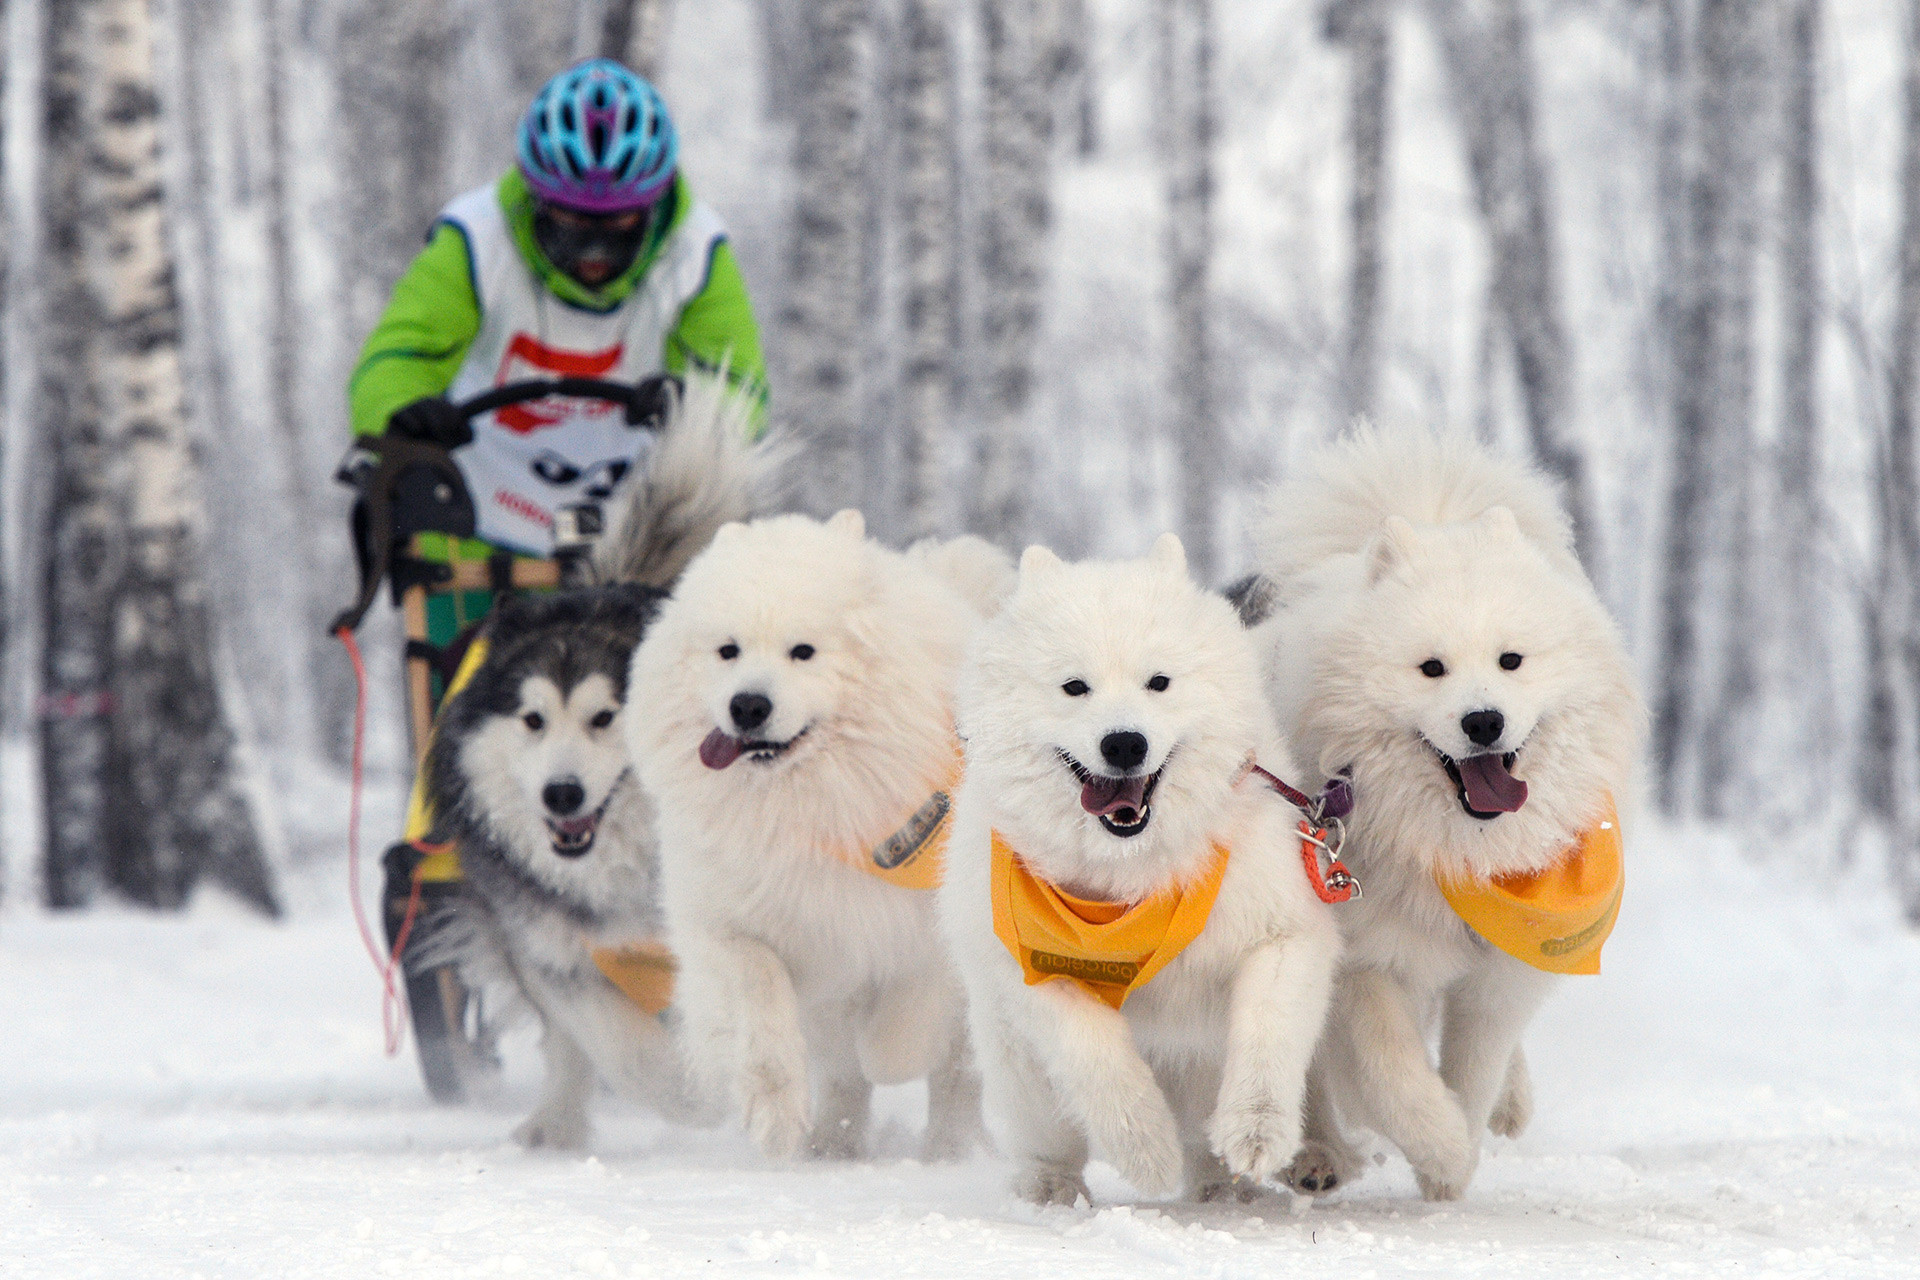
{"points": [[1073, 271]]}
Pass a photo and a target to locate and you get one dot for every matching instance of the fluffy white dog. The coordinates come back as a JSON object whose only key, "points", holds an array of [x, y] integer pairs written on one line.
{"points": [[802, 751], [1110, 712], [1437, 642]]}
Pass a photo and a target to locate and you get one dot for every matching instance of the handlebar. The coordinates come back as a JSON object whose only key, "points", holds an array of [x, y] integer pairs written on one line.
{"points": [[541, 388]]}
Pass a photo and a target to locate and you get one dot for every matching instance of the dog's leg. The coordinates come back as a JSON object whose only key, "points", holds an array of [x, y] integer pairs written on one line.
{"points": [[1381, 1056], [1278, 1006], [1025, 1115], [1090, 1055], [560, 1121], [843, 1096], [629, 1049], [738, 999], [1485, 1013], [1514, 1110], [954, 1127], [1326, 1159], [1191, 1086]]}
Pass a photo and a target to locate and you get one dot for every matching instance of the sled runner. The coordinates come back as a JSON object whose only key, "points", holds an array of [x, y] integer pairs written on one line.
{"points": [[413, 524]]}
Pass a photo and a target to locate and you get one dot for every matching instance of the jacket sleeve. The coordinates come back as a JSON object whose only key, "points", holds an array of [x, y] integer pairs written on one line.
{"points": [[422, 337], [717, 328]]}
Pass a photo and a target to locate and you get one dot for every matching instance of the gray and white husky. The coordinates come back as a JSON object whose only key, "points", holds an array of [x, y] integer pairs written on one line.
{"points": [[529, 777]]}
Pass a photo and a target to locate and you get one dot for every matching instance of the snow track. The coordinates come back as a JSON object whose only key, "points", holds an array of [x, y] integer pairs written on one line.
{"points": [[205, 1096]]}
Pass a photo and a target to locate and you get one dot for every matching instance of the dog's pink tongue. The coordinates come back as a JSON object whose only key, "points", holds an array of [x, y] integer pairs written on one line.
{"points": [[1490, 788], [1104, 795], [719, 750]]}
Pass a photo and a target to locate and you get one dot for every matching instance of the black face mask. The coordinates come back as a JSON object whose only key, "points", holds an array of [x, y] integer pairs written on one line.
{"points": [[573, 248]]}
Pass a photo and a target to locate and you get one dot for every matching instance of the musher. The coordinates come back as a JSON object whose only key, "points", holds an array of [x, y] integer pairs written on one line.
{"points": [[590, 258]]}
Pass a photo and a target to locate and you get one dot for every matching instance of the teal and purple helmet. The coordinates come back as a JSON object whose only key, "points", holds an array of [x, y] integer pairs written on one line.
{"points": [[597, 139]]}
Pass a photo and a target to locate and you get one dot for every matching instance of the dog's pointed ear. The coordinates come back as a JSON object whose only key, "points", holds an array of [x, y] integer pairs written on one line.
{"points": [[1391, 547], [1168, 555], [850, 522], [1500, 522], [1036, 562]]}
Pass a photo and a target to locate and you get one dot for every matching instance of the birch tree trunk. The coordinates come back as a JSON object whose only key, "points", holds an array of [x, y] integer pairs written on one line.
{"points": [[820, 319], [1186, 42], [1799, 649], [1488, 49], [1073, 75], [1899, 673], [84, 543], [926, 194], [1364, 27], [1707, 660], [1015, 212]]}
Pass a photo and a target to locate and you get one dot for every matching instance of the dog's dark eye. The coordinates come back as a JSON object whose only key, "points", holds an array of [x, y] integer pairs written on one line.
{"points": [[534, 721], [602, 720], [1433, 668], [729, 651], [1159, 684], [1075, 688], [800, 652], [1510, 662]]}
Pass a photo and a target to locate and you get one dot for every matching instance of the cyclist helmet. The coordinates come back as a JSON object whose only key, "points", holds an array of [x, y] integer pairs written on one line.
{"points": [[597, 139]]}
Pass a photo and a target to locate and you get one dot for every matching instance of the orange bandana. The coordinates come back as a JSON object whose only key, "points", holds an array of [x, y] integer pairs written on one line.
{"points": [[914, 856], [1110, 948], [643, 972], [1555, 919]]}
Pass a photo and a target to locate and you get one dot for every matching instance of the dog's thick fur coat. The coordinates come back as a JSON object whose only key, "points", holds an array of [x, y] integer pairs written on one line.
{"points": [[1200, 1076], [1436, 639], [529, 777], [804, 678]]}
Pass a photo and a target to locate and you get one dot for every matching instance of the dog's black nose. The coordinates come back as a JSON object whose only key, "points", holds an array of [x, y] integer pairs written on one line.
{"points": [[565, 796], [1483, 728], [750, 710], [1124, 749]]}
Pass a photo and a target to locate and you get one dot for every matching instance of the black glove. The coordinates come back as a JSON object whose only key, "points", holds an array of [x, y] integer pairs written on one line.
{"points": [[433, 420], [651, 399]]}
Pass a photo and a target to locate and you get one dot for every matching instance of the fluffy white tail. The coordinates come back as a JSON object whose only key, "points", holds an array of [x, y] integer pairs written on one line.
{"points": [[704, 474], [1333, 504]]}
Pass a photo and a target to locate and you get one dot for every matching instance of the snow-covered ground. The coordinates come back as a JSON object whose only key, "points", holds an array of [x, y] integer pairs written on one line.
{"points": [[206, 1096]]}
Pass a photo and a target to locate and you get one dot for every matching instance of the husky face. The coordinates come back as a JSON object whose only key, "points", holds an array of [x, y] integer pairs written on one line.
{"points": [[531, 751], [1118, 697], [551, 765], [1475, 649]]}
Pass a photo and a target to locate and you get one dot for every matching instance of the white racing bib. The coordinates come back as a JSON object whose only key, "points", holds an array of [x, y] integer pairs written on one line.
{"points": [[528, 461]]}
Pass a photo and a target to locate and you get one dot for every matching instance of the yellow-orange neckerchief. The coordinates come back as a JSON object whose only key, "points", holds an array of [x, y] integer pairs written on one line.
{"points": [[1110, 948], [914, 857], [1555, 919]]}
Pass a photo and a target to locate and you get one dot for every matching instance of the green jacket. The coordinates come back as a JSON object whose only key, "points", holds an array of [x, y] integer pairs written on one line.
{"points": [[423, 336]]}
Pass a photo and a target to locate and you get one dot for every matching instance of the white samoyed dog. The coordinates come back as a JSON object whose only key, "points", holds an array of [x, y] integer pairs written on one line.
{"points": [[1110, 713], [1436, 641], [802, 751]]}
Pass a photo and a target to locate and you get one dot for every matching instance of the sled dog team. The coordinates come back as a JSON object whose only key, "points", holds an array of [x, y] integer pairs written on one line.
{"points": [[929, 815]]}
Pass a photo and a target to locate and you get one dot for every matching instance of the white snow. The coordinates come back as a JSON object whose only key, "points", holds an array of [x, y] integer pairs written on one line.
{"points": [[205, 1095]]}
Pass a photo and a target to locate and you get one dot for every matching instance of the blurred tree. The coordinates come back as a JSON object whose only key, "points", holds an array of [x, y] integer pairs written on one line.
{"points": [[1014, 213], [165, 806], [1196, 440], [820, 320], [1488, 47], [635, 32], [1707, 675], [1899, 638], [925, 208], [1364, 27]]}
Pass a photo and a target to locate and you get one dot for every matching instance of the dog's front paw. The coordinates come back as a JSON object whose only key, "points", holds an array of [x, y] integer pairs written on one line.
{"points": [[1254, 1137], [1145, 1147], [776, 1118], [1319, 1168], [1514, 1110], [1049, 1184], [554, 1129], [1446, 1181]]}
